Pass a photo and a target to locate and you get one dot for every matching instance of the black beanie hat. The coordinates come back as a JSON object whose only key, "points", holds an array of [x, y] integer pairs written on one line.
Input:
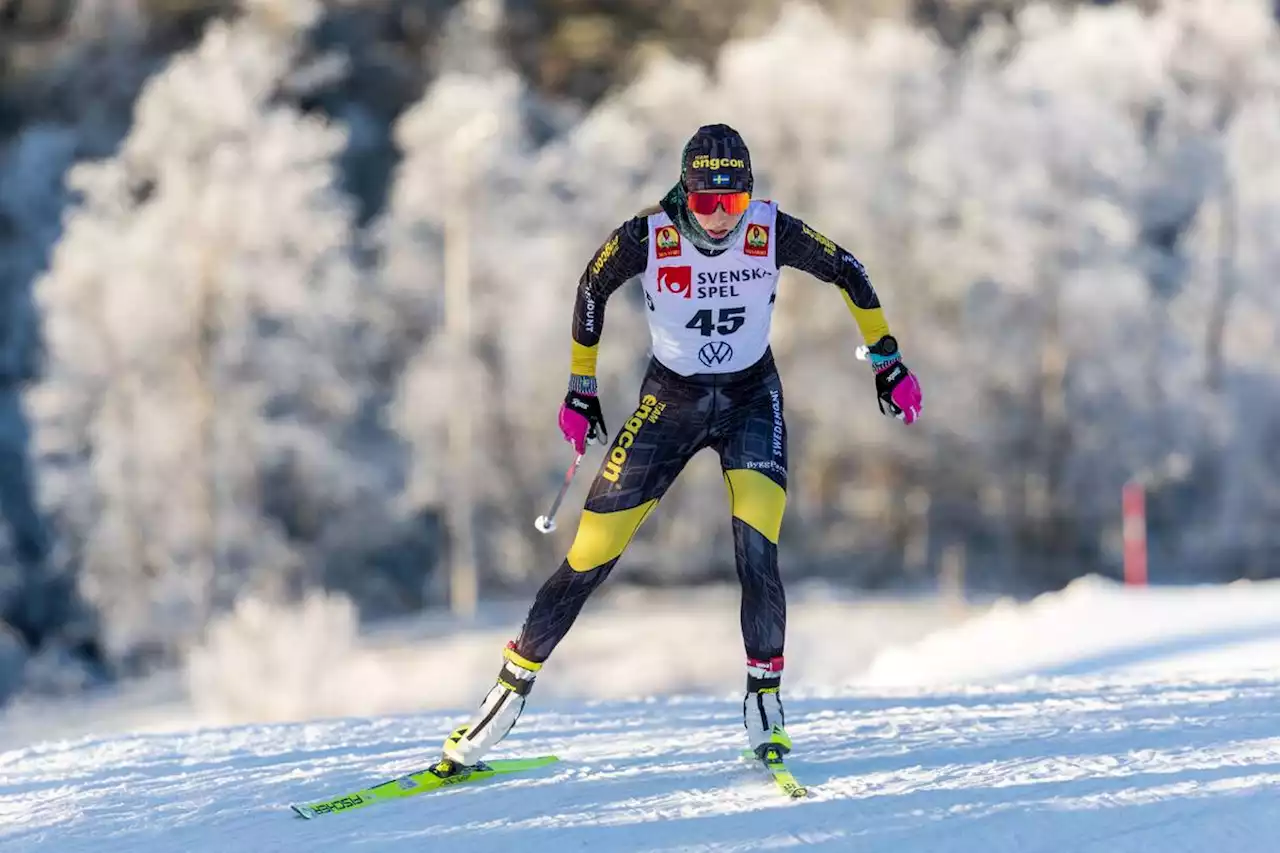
{"points": [[716, 158]]}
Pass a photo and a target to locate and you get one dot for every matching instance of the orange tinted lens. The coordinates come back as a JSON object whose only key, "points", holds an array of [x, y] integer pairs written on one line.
{"points": [[706, 203], [735, 203]]}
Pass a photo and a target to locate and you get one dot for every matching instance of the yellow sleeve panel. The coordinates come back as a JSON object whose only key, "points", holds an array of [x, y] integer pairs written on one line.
{"points": [[603, 536], [584, 358], [870, 321], [757, 500]]}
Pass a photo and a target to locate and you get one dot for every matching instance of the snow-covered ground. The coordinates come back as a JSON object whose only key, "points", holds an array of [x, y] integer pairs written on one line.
{"points": [[1096, 719]]}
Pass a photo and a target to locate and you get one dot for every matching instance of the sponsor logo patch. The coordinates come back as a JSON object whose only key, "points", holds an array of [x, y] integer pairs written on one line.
{"points": [[775, 399], [716, 352], [648, 412], [728, 276], [757, 240], [607, 251], [702, 161], [856, 264], [820, 239], [338, 805], [677, 280], [666, 239]]}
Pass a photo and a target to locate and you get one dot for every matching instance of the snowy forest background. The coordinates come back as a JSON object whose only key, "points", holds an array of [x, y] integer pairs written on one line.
{"points": [[225, 371]]}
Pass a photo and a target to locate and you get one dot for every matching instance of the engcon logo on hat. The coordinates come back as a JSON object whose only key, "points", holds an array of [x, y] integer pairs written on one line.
{"points": [[705, 162]]}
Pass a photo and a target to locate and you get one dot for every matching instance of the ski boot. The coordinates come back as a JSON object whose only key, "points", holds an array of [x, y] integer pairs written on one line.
{"points": [[762, 709], [495, 718]]}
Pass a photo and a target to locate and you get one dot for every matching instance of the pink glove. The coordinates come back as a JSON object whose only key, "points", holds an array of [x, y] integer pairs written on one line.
{"points": [[581, 420], [901, 398], [897, 389]]}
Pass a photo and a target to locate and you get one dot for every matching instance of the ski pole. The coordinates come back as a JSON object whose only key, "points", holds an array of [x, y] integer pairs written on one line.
{"points": [[547, 523]]}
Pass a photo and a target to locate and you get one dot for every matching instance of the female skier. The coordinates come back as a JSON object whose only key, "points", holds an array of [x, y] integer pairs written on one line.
{"points": [[708, 256]]}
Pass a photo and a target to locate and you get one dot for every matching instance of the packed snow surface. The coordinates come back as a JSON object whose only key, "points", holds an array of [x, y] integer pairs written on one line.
{"points": [[1095, 719]]}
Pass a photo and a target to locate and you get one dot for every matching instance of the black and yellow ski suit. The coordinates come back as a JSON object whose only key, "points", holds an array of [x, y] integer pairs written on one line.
{"points": [[738, 414]]}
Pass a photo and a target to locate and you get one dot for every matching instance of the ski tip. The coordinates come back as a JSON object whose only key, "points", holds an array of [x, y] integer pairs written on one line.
{"points": [[799, 793], [303, 812]]}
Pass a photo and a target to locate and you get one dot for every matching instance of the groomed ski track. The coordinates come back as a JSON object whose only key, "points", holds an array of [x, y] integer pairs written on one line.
{"points": [[1078, 764]]}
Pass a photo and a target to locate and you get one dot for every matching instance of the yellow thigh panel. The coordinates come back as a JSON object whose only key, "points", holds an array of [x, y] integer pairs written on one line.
{"points": [[603, 536], [757, 500]]}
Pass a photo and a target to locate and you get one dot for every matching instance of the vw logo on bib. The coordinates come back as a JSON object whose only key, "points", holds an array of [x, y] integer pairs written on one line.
{"points": [[716, 352]]}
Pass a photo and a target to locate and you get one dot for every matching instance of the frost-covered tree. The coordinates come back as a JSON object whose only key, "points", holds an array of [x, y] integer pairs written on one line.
{"points": [[1028, 186], [208, 346], [77, 107], [1069, 219], [1025, 205], [465, 195], [1230, 310], [1061, 185]]}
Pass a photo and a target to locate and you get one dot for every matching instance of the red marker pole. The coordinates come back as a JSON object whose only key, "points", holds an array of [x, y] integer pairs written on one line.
{"points": [[1134, 511]]}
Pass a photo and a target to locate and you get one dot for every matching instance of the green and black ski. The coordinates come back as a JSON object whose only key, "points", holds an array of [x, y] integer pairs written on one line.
{"points": [[420, 782]]}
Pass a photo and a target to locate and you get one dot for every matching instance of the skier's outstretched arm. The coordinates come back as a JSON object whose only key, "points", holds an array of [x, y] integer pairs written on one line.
{"points": [[618, 259], [806, 249]]}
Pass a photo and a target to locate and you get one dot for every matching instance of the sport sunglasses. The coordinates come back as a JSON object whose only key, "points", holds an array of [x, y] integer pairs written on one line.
{"points": [[706, 203]]}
